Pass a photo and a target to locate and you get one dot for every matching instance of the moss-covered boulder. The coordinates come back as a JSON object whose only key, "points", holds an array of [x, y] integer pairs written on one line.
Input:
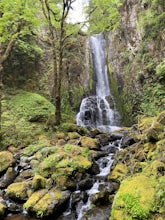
{"points": [[151, 128], [19, 191], [118, 172], [135, 198], [44, 203], [73, 135], [91, 143], [38, 182], [6, 159]]}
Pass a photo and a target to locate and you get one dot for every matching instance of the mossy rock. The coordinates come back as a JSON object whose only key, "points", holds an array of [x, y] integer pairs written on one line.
{"points": [[38, 182], [145, 123], [60, 135], [73, 135], [66, 160], [157, 168], [135, 198], [91, 143], [6, 160], [154, 132], [33, 148], [68, 127], [19, 191], [34, 198], [118, 172], [3, 209], [45, 204], [72, 127]]}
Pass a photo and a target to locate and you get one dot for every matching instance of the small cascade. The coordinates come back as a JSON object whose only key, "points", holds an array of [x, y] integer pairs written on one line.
{"points": [[105, 164], [95, 111]]}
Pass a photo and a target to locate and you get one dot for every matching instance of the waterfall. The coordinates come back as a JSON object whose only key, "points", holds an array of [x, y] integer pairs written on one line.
{"points": [[95, 111]]}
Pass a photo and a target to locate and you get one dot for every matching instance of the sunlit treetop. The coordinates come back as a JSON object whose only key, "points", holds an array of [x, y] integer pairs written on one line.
{"points": [[19, 16]]}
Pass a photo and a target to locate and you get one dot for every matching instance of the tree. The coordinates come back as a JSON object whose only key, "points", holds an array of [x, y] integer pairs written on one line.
{"points": [[61, 37], [103, 15], [17, 19]]}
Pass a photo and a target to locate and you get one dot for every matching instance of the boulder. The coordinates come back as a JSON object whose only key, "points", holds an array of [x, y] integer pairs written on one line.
{"points": [[135, 198], [38, 182], [119, 171], [6, 160], [97, 213], [128, 141], [73, 135], [19, 191], [103, 139], [8, 178], [44, 204], [85, 184], [92, 144]]}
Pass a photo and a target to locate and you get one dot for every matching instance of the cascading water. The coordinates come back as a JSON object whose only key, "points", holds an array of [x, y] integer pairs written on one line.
{"points": [[95, 111]]}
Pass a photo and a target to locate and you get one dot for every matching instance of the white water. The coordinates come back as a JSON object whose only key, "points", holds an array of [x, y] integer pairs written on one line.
{"points": [[105, 164], [95, 111]]}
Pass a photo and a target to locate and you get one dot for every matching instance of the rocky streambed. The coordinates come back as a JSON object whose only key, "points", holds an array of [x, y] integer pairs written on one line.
{"points": [[61, 176]]}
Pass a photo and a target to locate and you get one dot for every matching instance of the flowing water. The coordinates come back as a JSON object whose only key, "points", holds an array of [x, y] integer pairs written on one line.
{"points": [[95, 111]]}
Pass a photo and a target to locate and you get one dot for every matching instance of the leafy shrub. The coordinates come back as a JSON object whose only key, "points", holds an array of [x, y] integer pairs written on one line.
{"points": [[160, 71]]}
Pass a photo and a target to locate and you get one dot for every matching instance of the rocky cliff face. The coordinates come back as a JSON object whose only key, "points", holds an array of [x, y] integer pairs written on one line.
{"points": [[135, 55]]}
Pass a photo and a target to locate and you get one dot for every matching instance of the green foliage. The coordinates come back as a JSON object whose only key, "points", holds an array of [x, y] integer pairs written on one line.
{"points": [[17, 16], [152, 19], [103, 15], [160, 71], [160, 195], [153, 98], [133, 207]]}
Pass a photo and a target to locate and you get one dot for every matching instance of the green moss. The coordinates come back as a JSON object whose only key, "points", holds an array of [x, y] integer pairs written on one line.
{"points": [[19, 190], [38, 182], [135, 198], [23, 118], [62, 161], [33, 148], [34, 198], [6, 160], [32, 106], [44, 207], [118, 172], [73, 135], [90, 143]]}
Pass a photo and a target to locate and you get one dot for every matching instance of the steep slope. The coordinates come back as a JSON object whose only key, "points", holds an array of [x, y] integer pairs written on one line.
{"points": [[136, 58]]}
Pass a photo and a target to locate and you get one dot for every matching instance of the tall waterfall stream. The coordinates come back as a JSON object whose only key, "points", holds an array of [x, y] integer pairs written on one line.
{"points": [[95, 111]]}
